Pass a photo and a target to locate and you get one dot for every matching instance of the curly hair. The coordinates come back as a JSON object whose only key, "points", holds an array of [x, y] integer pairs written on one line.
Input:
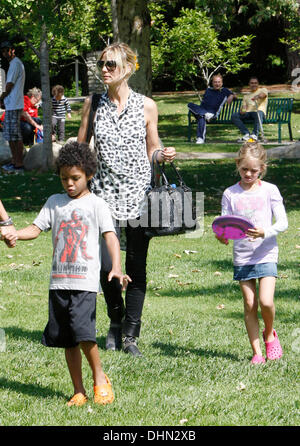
{"points": [[77, 154]]}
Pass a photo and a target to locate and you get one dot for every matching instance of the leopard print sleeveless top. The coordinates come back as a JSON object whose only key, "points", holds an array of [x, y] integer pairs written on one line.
{"points": [[124, 172]]}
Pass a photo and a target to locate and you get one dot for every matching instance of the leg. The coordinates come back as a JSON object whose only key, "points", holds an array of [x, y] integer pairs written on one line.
{"points": [[91, 352], [256, 126], [54, 126], [74, 360], [17, 148], [61, 129], [237, 119], [136, 257], [201, 127], [266, 297], [248, 289]]}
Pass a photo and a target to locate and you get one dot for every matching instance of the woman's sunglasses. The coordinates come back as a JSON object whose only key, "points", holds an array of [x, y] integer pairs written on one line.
{"points": [[109, 64]]}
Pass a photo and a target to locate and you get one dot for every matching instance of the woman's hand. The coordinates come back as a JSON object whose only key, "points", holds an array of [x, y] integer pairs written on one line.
{"points": [[168, 154]]}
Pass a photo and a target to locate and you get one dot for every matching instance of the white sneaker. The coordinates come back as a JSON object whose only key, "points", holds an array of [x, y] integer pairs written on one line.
{"points": [[199, 141], [244, 138], [209, 116], [253, 136]]}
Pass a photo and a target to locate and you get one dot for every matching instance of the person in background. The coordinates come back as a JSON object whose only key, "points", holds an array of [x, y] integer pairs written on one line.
{"points": [[213, 100], [60, 107], [30, 122], [254, 103], [12, 99]]}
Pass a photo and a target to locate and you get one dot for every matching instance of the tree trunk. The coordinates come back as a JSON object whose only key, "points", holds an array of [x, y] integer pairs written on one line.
{"points": [[133, 20], [46, 102]]}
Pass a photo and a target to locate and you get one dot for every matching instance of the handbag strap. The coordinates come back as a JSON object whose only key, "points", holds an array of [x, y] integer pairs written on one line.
{"points": [[93, 108], [162, 171]]}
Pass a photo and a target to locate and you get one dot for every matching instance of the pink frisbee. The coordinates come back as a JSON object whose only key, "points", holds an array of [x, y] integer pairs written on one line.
{"points": [[231, 227]]}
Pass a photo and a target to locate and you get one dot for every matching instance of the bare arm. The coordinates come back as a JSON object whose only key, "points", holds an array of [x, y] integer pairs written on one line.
{"points": [[152, 138], [8, 87], [29, 233], [82, 132], [231, 98], [113, 247], [31, 121]]}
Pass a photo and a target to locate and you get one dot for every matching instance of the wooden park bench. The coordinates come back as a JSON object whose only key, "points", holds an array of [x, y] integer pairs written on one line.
{"points": [[279, 112]]}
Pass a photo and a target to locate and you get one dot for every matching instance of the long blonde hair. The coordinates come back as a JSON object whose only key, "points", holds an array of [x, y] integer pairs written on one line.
{"points": [[124, 56], [253, 150]]}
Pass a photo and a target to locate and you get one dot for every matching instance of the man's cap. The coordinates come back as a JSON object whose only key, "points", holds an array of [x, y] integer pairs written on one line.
{"points": [[6, 44]]}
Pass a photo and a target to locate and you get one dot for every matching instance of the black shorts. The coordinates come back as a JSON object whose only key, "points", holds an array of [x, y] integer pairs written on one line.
{"points": [[72, 318]]}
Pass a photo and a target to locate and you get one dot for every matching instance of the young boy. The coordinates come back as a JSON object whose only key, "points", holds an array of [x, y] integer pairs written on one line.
{"points": [[76, 217], [60, 106]]}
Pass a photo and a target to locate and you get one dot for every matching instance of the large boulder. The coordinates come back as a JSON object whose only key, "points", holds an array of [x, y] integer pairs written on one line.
{"points": [[5, 153], [288, 151], [36, 157]]}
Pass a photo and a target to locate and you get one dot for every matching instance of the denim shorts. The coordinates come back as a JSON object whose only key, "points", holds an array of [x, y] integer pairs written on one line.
{"points": [[248, 272]]}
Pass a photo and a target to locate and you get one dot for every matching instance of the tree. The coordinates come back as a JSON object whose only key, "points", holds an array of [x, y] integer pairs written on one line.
{"points": [[193, 50], [48, 27], [131, 24]]}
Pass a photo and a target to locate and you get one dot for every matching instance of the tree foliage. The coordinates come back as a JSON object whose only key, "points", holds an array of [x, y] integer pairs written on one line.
{"points": [[191, 49]]}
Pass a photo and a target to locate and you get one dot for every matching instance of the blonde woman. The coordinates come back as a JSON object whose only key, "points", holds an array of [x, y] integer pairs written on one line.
{"points": [[126, 136]]}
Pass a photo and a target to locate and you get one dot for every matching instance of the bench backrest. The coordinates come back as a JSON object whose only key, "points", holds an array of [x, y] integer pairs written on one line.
{"points": [[278, 109]]}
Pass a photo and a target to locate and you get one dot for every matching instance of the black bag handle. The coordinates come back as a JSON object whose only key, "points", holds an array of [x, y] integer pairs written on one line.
{"points": [[163, 172]]}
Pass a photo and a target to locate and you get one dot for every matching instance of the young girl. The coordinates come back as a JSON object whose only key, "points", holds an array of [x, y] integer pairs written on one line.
{"points": [[76, 218], [255, 257]]}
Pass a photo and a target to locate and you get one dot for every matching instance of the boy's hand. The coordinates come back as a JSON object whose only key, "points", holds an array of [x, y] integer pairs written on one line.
{"points": [[123, 278], [69, 115], [222, 239]]}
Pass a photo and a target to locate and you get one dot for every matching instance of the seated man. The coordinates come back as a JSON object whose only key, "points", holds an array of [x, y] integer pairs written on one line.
{"points": [[213, 100], [254, 103]]}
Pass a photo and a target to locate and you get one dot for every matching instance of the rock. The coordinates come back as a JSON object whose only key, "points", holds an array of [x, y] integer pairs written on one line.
{"points": [[5, 153], [289, 151], [36, 157]]}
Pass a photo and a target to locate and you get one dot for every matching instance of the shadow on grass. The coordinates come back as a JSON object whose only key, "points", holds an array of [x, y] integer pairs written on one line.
{"points": [[176, 350], [30, 389]]}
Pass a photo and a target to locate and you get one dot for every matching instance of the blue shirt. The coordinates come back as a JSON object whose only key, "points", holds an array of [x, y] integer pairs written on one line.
{"points": [[213, 100]]}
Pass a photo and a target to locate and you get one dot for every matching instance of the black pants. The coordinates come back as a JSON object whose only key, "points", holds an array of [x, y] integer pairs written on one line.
{"points": [[136, 257]]}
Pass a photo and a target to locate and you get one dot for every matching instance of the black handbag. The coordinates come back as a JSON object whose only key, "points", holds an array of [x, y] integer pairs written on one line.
{"points": [[170, 207]]}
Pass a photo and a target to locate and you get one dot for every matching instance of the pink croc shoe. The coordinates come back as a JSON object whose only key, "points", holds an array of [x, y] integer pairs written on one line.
{"points": [[258, 359], [273, 348]]}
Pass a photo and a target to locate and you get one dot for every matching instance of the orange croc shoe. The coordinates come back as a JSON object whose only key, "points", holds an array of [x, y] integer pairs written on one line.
{"points": [[79, 399], [104, 393]]}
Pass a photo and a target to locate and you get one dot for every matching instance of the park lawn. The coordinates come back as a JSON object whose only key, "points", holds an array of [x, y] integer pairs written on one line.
{"points": [[195, 370]]}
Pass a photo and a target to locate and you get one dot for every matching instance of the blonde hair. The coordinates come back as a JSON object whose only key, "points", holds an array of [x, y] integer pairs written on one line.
{"points": [[253, 150], [36, 92], [124, 56]]}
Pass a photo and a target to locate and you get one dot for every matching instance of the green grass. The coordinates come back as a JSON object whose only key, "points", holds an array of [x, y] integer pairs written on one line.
{"points": [[196, 355]]}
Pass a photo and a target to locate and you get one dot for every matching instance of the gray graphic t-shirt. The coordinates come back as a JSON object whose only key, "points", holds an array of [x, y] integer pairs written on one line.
{"points": [[76, 226]]}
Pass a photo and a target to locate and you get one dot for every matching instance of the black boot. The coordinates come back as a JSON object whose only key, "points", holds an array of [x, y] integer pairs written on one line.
{"points": [[114, 337], [130, 346]]}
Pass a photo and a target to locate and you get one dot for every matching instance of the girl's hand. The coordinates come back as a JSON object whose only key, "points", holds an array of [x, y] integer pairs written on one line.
{"points": [[222, 239], [255, 233], [123, 278]]}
